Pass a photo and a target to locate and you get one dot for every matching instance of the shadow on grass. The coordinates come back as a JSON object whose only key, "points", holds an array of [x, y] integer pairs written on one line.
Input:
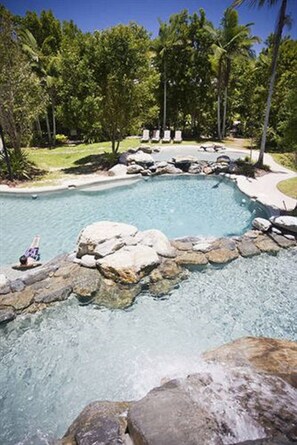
{"points": [[92, 164]]}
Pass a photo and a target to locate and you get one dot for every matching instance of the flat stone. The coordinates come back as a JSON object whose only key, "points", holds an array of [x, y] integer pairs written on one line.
{"points": [[18, 300], [247, 248], [192, 258], [182, 245], [265, 244], [4, 284], [6, 314], [17, 285], [224, 243], [100, 232], [157, 240], [129, 264], [170, 269], [86, 283], [134, 169], [282, 241], [169, 170], [35, 276], [276, 230], [290, 237], [285, 222], [221, 256], [59, 294], [252, 234], [100, 423], [203, 246], [223, 158], [88, 261], [261, 224], [108, 247]]}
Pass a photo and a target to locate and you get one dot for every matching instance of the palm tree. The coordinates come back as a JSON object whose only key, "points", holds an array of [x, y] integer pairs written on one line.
{"points": [[277, 40], [231, 41]]}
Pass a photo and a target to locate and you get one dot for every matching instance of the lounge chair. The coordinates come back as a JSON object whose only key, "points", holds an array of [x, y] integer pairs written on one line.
{"points": [[177, 136], [156, 136], [166, 137], [145, 136]]}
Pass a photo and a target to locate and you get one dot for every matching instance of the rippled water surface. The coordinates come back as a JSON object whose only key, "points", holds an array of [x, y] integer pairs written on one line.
{"points": [[54, 363], [177, 206]]}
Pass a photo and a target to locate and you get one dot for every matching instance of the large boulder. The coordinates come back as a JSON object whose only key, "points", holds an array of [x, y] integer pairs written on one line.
{"points": [[99, 232], [86, 283], [6, 314], [184, 162], [118, 170], [134, 169], [102, 423], [129, 264], [116, 295], [157, 240], [141, 158], [169, 170], [285, 222]]}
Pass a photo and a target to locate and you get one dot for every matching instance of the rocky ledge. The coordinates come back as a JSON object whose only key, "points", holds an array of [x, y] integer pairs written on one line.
{"points": [[114, 262], [141, 161], [245, 394]]}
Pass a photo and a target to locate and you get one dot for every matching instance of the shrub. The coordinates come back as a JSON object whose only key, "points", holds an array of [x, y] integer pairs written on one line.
{"points": [[61, 139], [21, 167], [245, 168]]}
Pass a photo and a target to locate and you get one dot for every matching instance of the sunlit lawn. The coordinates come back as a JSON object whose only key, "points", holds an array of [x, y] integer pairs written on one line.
{"points": [[288, 187]]}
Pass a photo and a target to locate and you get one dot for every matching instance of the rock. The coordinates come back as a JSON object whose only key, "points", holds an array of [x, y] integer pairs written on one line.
{"points": [[100, 423], [195, 169], [169, 170], [59, 294], [108, 247], [99, 232], [86, 283], [88, 261], [247, 248], [157, 240], [217, 406], [67, 270], [37, 275], [261, 224], [4, 284], [147, 172], [288, 223], [265, 244], [169, 269], [221, 256], [141, 158], [272, 356], [134, 169], [207, 170], [223, 158], [147, 149], [162, 164], [192, 259], [202, 246], [182, 245], [17, 285], [278, 440], [224, 243], [116, 295], [6, 314], [184, 162], [162, 287], [252, 234], [282, 241], [129, 264], [118, 170], [18, 300], [123, 157], [277, 231], [290, 237]]}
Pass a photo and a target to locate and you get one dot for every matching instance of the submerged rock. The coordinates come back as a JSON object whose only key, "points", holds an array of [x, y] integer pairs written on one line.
{"points": [[116, 295], [221, 256], [7, 314], [265, 244], [247, 248]]}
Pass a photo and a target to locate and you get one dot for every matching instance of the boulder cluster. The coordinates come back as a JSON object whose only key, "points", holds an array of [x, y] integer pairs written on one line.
{"points": [[245, 393], [140, 161], [114, 262]]}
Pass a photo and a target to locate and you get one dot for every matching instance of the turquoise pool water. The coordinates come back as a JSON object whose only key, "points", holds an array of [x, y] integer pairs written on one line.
{"points": [[177, 206], [52, 364]]}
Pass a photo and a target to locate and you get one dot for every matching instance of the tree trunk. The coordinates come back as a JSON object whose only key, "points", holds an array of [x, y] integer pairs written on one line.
{"points": [[225, 112], [219, 117], [48, 129], [278, 35], [7, 160], [165, 100], [54, 124], [38, 127]]}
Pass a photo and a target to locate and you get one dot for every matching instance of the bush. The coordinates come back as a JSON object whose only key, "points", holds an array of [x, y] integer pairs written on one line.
{"points": [[21, 167], [61, 139], [245, 168]]}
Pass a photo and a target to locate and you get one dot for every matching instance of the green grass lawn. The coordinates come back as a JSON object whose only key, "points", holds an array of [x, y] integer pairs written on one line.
{"points": [[288, 187], [288, 160]]}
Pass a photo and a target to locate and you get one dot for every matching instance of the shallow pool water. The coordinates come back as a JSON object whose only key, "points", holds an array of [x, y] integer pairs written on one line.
{"points": [[52, 364], [177, 206]]}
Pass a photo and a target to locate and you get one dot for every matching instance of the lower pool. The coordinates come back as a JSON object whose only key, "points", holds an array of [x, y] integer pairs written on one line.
{"points": [[178, 206], [53, 363]]}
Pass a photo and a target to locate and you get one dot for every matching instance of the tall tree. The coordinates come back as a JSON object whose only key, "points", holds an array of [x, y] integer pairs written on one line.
{"points": [[232, 41], [277, 40]]}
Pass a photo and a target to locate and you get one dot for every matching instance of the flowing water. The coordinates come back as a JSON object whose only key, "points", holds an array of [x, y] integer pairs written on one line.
{"points": [[54, 363], [177, 206]]}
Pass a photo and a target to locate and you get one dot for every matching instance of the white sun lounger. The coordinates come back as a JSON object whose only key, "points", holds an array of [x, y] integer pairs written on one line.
{"points": [[166, 137], [145, 136], [156, 136], [177, 136]]}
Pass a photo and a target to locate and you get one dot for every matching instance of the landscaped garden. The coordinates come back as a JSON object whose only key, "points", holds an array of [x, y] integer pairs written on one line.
{"points": [[157, 179]]}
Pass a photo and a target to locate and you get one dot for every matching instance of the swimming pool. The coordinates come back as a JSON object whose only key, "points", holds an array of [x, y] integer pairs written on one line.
{"points": [[178, 206], [53, 363]]}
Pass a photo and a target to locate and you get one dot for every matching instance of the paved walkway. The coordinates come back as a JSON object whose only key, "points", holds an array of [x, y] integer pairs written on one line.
{"points": [[264, 188]]}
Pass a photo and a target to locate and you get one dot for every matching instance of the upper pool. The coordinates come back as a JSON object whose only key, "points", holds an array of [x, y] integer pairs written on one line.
{"points": [[178, 206]]}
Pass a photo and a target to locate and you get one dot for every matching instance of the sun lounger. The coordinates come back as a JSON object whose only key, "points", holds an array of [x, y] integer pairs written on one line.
{"points": [[166, 137], [156, 136], [145, 136], [177, 136]]}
